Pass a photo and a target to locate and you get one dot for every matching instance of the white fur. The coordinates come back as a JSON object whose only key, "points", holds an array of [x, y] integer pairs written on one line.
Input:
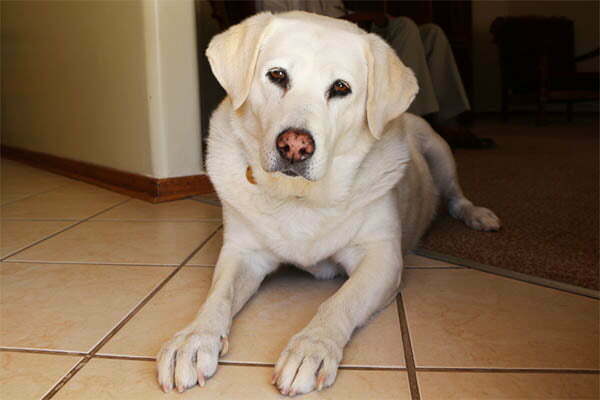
{"points": [[371, 189]]}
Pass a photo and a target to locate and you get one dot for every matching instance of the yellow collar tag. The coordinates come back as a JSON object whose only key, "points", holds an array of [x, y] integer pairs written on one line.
{"points": [[250, 176]]}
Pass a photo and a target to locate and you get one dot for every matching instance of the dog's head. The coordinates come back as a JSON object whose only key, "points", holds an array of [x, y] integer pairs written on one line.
{"points": [[307, 87]]}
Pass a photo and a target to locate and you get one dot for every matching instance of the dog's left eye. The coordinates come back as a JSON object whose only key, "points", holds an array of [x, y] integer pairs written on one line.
{"points": [[279, 77], [339, 88]]}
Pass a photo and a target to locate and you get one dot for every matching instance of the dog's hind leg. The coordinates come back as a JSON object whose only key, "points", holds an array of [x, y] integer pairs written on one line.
{"points": [[443, 170]]}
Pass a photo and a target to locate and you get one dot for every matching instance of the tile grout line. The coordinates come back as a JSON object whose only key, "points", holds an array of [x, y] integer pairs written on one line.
{"points": [[31, 195], [208, 201], [50, 236], [66, 377], [373, 368], [510, 370], [158, 221], [79, 222], [408, 351], [42, 351], [92, 353], [207, 220], [493, 370], [249, 363], [91, 263], [16, 219], [125, 358], [210, 266], [61, 186], [149, 220]]}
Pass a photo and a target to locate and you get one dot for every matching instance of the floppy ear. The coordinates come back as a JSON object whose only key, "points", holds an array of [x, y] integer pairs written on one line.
{"points": [[391, 85], [232, 55]]}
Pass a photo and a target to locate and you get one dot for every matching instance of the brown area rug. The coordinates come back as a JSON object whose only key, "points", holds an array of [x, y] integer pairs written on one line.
{"points": [[543, 183]]}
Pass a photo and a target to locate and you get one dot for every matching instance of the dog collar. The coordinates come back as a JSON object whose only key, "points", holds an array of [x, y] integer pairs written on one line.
{"points": [[250, 175]]}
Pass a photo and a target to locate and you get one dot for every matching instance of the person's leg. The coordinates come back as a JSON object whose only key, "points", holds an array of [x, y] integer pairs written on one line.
{"points": [[449, 89], [403, 35], [421, 50]]}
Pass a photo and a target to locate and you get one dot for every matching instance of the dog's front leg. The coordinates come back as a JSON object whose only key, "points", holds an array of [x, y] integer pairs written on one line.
{"points": [[311, 358], [192, 354]]}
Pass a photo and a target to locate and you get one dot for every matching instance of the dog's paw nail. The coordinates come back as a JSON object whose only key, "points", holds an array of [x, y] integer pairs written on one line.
{"points": [[224, 345], [274, 379], [320, 382], [292, 393], [166, 388], [201, 380], [180, 389]]}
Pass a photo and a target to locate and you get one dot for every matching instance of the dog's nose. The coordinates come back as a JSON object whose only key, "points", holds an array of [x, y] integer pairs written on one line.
{"points": [[295, 145]]}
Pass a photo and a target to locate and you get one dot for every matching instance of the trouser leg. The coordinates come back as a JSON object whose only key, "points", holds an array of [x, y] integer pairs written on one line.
{"points": [[446, 80], [405, 38]]}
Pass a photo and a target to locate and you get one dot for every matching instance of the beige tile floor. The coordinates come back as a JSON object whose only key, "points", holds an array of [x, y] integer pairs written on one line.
{"points": [[92, 282]]}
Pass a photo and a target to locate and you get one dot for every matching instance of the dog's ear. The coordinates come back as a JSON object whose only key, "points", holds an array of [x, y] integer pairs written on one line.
{"points": [[232, 55], [391, 85]]}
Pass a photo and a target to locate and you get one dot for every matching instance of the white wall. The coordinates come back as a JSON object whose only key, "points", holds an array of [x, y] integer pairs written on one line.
{"points": [[113, 83], [173, 87]]}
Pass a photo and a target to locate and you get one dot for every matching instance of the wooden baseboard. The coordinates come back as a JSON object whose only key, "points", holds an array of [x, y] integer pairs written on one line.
{"points": [[142, 187]]}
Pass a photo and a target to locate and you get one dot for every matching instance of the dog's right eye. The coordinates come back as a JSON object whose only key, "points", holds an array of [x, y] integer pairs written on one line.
{"points": [[279, 77]]}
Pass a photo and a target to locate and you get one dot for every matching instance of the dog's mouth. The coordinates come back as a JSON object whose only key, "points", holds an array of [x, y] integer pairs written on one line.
{"points": [[291, 169], [289, 172]]}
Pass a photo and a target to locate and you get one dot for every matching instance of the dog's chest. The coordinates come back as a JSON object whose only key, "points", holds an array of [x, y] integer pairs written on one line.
{"points": [[305, 236]]}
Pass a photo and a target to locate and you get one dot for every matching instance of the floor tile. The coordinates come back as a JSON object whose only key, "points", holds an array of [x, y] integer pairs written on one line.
{"points": [[28, 376], [71, 201], [415, 261], [148, 243], [68, 307], [171, 210], [210, 198], [171, 309], [281, 308], [507, 386], [466, 318], [209, 253], [10, 166], [6, 198], [129, 379], [19, 234], [22, 179]]}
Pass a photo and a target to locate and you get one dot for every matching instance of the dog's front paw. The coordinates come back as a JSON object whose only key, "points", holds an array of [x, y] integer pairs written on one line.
{"points": [[482, 219], [310, 361], [189, 358]]}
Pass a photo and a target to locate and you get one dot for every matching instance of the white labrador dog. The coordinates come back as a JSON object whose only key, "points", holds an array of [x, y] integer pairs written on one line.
{"points": [[317, 165]]}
